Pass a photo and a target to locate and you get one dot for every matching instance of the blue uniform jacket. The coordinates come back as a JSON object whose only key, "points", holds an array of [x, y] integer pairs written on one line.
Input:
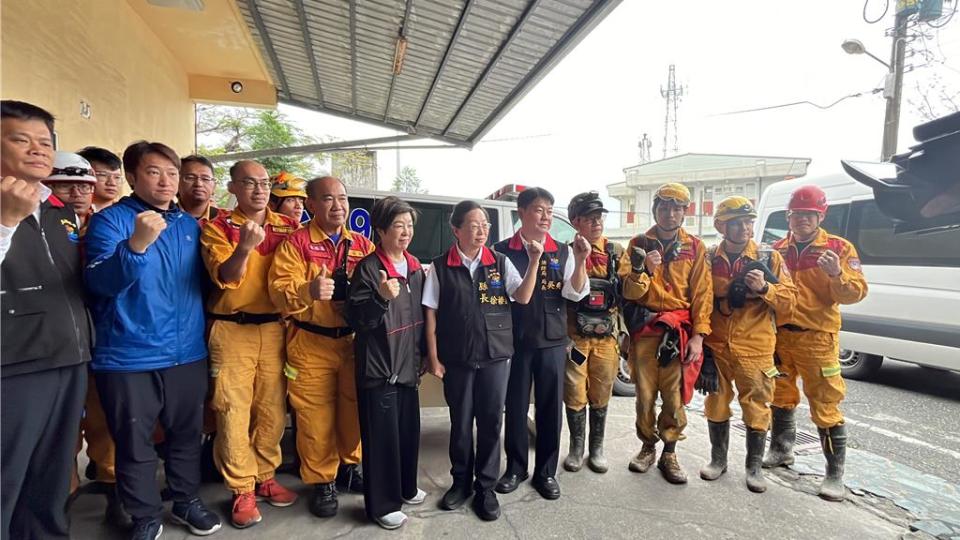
{"points": [[147, 308]]}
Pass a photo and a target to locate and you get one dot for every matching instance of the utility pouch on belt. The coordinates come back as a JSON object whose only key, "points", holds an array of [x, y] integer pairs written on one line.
{"points": [[635, 316], [595, 324], [340, 281]]}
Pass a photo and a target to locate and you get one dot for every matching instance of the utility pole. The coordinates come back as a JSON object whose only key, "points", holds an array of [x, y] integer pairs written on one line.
{"points": [[671, 95], [893, 87]]}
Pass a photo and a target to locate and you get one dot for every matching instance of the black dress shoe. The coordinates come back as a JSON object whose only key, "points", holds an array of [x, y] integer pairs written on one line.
{"points": [[548, 488], [486, 505], [455, 496], [510, 481]]}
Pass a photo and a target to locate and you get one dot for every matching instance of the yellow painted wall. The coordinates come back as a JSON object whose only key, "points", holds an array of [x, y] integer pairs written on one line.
{"points": [[57, 53]]}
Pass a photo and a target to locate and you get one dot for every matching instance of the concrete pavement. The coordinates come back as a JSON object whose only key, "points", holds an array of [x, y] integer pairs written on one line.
{"points": [[619, 504]]}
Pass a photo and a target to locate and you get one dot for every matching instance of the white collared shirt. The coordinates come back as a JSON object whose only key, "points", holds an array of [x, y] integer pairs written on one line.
{"points": [[431, 287], [567, 291]]}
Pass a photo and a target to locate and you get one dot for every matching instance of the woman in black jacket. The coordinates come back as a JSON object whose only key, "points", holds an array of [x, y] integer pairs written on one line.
{"points": [[384, 308], [469, 344]]}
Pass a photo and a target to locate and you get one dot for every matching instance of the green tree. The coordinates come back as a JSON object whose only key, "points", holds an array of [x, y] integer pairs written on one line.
{"points": [[407, 181]]}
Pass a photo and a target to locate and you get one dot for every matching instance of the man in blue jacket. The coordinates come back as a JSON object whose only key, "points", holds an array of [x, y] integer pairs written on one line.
{"points": [[145, 275]]}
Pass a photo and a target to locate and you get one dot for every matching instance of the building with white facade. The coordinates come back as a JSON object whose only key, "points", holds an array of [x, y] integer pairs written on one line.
{"points": [[710, 178]]}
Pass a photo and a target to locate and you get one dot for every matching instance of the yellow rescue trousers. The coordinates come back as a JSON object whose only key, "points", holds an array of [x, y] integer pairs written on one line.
{"points": [[754, 379], [814, 357], [323, 393], [592, 381], [650, 379], [249, 399]]}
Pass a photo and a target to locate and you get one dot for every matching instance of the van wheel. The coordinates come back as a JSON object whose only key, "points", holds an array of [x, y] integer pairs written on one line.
{"points": [[622, 385], [858, 365]]}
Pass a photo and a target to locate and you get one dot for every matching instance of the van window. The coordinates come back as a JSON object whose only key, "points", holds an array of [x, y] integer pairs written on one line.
{"points": [[835, 223], [561, 230], [872, 233]]}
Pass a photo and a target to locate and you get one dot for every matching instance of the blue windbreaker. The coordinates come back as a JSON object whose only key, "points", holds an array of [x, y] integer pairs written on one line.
{"points": [[147, 308]]}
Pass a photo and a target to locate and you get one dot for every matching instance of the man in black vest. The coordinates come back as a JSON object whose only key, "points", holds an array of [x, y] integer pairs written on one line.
{"points": [[540, 343], [46, 331]]}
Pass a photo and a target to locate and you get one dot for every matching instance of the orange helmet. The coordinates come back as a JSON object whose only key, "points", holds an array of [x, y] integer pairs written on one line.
{"points": [[808, 199]]}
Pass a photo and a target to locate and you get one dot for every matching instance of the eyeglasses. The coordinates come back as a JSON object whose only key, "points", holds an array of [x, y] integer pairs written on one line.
{"points": [[596, 219], [193, 178], [252, 185], [83, 189], [477, 227], [104, 176], [72, 171]]}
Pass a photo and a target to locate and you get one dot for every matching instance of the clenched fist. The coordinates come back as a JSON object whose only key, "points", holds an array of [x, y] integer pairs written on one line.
{"points": [[146, 229], [18, 199], [653, 261], [389, 288], [251, 234], [534, 250], [829, 262], [322, 287], [581, 247], [755, 281]]}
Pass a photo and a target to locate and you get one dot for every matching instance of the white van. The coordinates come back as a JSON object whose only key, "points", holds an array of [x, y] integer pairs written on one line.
{"points": [[912, 310]]}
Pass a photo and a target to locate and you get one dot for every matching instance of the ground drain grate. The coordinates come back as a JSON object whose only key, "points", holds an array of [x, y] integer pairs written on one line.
{"points": [[806, 442]]}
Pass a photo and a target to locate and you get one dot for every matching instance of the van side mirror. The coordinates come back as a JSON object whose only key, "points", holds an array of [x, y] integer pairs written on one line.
{"points": [[921, 187]]}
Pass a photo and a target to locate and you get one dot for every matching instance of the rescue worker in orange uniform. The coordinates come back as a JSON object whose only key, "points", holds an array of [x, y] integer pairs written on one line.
{"points": [[743, 336], [246, 344], [666, 277], [309, 282], [826, 270], [288, 195], [592, 325]]}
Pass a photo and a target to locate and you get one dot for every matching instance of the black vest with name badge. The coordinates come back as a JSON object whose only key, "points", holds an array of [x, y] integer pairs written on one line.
{"points": [[542, 323], [474, 323]]}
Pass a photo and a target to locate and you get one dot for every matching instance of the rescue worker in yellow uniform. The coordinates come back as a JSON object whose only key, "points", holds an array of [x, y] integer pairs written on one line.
{"points": [[592, 325], [749, 288], [309, 282], [826, 270], [246, 344], [666, 284], [288, 195]]}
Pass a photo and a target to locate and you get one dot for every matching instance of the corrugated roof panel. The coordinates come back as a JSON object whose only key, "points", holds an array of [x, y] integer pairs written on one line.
{"points": [[467, 61]]}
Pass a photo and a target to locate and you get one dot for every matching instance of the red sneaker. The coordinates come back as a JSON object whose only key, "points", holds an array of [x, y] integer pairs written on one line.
{"points": [[245, 513], [275, 494]]}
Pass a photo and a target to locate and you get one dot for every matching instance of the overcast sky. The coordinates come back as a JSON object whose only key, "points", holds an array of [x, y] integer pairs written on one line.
{"points": [[579, 127]]}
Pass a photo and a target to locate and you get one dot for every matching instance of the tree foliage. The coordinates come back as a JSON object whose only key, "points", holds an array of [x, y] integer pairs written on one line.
{"points": [[407, 181]]}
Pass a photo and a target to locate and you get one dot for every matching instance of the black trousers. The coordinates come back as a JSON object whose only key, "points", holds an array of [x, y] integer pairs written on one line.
{"points": [[476, 395], [390, 437], [38, 433], [134, 403], [545, 369]]}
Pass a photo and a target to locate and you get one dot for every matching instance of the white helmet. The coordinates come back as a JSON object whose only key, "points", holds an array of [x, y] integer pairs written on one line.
{"points": [[70, 167]]}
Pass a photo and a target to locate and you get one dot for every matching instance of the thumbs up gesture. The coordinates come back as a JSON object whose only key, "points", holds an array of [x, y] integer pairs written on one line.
{"points": [[322, 287], [389, 288]]}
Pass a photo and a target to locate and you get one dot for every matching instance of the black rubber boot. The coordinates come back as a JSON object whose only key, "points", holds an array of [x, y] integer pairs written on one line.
{"points": [[350, 478], [598, 422], [756, 440], [782, 438], [577, 421], [719, 442], [115, 515], [324, 502], [834, 443]]}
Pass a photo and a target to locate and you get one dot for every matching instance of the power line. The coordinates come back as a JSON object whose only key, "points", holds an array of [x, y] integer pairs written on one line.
{"points": [[886, 7], [795, 103]]}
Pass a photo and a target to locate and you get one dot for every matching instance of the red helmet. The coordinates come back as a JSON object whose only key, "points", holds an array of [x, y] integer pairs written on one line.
{"points": [[808, 198]]}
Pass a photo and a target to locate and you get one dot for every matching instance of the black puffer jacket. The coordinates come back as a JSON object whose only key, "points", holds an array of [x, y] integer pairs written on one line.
{"points": [[390, 335]]}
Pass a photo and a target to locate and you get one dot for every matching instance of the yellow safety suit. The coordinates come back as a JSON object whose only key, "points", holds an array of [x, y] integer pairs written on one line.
{"points": [[743, 339], [682, 282], [592, 381], [320, 368], [808, 345], [246, 360]]}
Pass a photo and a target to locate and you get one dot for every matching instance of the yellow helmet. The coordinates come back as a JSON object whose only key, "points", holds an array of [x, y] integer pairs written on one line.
{"points": [[734, 207], [673, 191], [287, 185]]}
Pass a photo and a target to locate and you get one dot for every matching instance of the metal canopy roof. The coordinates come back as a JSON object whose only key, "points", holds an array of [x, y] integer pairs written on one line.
{"points": [[467, 62]]}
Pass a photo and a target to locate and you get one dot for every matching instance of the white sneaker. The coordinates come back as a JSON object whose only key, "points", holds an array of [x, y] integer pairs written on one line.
{"points": [[393, 520], [418, 498]]}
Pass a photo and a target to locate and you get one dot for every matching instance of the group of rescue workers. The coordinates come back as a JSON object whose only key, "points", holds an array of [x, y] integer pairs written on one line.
{"points": [[148, 321]]}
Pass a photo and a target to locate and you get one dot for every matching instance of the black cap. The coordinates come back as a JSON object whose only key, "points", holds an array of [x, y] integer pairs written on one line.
{"points": [[585, 204]]}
